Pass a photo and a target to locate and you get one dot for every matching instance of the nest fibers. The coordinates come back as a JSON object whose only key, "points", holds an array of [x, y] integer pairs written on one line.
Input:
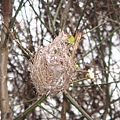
{"points": [[52, 69]]}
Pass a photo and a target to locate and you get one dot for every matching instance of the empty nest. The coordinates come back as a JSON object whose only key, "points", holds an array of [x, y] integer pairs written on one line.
{"points": [[52, 69]]}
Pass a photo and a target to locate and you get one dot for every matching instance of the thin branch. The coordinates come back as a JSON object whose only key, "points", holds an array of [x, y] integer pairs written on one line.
{"points": [[73, 102], [102, 41], [39, 17], [57, 11], [31, 108], [25, 50]]}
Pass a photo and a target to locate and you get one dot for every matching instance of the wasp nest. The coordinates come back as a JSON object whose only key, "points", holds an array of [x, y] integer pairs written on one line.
{"points": [[52, 69]]}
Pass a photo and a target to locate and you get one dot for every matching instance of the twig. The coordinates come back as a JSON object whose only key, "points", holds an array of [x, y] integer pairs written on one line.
{"points": [[78, 37], [25, 50], [100, 69], [67, 95], [58, 8], [32, 107], [102, 41], [83, 71], [96, 27]]}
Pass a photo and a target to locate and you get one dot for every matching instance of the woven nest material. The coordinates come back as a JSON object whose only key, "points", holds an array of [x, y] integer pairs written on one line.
{"points": [[52, 69]]}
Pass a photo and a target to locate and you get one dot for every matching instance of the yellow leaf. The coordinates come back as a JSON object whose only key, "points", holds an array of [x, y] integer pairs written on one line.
{"points": [[71, 39], [76, 66]]}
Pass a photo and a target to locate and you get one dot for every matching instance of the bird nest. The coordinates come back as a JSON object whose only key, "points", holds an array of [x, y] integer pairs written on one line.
{"points": [[52, 69]]}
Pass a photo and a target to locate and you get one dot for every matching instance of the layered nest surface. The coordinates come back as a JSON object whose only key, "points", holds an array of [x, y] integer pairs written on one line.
{"points": [[52, 69]]}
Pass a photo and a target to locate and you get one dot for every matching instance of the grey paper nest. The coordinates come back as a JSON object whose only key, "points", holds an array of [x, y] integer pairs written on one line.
{"points": [[52, 69]]}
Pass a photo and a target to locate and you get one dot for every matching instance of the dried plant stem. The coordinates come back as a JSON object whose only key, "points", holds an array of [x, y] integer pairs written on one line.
{"points": [[64, 108], [78, 37], [83, 71]]}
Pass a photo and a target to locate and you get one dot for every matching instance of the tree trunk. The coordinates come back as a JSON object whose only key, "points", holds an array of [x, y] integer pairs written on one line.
{"points": [[4, 101]]}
